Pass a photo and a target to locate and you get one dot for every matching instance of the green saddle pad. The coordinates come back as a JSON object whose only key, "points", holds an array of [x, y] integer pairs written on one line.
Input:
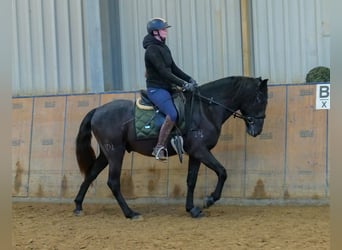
{"points": [[148, 122]]}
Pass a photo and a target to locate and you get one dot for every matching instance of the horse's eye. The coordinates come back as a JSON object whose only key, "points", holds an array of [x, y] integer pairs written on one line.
{"points": [[259, 98]]}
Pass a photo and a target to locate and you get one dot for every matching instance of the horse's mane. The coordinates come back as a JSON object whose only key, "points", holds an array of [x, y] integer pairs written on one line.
{"points": [[228, 85]]}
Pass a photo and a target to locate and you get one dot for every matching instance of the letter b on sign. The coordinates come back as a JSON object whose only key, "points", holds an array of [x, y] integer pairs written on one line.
{"points": [[323, 96], [324, 91]]}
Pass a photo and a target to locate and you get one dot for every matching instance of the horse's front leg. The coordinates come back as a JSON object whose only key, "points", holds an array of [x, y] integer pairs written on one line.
{"points": [[211, 162], [193, 168]]}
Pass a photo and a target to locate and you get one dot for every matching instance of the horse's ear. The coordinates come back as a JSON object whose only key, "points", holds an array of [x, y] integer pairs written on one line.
{"points": [[262, 83]]}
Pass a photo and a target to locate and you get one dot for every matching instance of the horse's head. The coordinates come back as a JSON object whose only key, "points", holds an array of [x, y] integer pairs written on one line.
{"points": [[254, 109]]}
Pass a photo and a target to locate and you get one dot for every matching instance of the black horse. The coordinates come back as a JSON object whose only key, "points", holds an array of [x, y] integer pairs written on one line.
{"points": [[207, 108]]}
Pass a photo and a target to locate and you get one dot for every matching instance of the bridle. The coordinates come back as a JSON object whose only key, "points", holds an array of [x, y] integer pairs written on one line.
{"points": [[247, 119]]}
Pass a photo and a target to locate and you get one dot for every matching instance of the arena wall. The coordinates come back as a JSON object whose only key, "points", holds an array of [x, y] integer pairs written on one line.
{"points": [[288, 161]]}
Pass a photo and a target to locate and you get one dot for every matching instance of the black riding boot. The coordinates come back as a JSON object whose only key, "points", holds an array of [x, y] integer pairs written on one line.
{"points": [[160, 150]]}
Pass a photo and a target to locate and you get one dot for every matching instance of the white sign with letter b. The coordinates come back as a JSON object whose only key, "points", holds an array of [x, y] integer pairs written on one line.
{"points": [[323, 96]]}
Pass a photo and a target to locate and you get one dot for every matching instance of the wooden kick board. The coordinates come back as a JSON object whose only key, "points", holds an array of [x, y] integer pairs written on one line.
{"points": [[289, 157], [77, 106], [265, 154], [47, 146], [306, 173], [21, 143], [105, 98]]}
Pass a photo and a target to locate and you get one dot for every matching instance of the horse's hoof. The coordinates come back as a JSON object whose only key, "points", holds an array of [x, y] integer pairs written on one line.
{"points": [[196, 212], [136, 217], [78, 212], [208, 201]]}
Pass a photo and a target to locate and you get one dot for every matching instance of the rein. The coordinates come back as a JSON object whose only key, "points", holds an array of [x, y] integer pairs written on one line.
{"points": [[211, 100]]}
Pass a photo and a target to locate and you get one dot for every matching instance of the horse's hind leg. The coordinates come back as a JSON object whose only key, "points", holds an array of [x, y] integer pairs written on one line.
{"points": [[100, 163], [115, 164]]}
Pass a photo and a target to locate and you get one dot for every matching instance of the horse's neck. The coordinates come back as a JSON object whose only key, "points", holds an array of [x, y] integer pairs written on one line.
{"points": [[215, 111], [224, 103]]}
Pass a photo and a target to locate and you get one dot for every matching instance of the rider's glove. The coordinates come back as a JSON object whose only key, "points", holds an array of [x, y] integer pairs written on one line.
{"points": [[193, 82], [187, 86]]}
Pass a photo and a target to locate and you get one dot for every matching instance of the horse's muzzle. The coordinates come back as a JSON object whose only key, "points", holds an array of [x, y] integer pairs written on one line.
{"points": [[254, 126]]}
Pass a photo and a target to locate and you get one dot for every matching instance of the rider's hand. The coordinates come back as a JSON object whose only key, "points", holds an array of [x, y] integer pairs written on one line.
{"points": [[187, 86], [193, 82]]}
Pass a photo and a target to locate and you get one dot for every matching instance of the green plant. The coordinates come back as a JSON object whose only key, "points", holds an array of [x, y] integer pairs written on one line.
{"points": [[318, 74]]}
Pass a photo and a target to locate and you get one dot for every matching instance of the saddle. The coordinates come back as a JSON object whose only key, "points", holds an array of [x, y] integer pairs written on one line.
{"points": [[148, 119]]}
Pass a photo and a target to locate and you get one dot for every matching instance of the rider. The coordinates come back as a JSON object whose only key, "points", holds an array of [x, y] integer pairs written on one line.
{"points": [[161, 75]]}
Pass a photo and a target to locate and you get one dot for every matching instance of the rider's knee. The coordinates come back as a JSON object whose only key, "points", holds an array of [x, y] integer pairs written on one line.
{"points": [[173, 116]]}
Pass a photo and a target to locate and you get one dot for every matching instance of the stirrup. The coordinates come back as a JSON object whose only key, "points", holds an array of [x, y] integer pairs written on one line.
{"points": [[177, 144], [157, 154]]}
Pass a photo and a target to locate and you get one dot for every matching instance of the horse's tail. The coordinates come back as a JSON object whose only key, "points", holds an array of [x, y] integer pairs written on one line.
{"points": [[84, 152]]}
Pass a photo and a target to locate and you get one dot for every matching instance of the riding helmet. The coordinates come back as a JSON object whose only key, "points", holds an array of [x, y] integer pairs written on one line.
{"points": [[156, 24]]}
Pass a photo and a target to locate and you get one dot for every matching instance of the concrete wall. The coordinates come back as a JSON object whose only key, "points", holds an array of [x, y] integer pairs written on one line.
{"points": [[287, 161]]}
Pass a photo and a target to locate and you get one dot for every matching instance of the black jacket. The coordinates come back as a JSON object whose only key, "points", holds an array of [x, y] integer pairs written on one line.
{"points": [[161, 70]]}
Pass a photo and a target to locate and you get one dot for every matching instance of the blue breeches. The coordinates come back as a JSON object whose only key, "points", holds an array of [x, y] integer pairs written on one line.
{"points": [[163, 100]]}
